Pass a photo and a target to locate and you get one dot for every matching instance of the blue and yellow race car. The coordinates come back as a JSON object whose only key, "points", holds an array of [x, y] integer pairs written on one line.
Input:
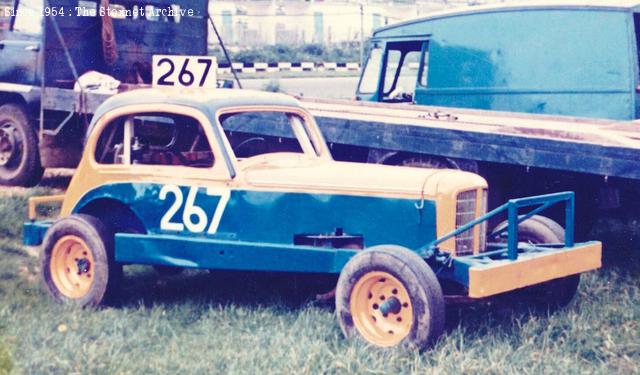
{"points": [[243, 180]]}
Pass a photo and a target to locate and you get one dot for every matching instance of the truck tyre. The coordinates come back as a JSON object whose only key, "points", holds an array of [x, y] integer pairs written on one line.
{"points": [[19, 154], [537, 229], [424, 161], [439, 162], [388, 296], [77, 261], [553, 294]]}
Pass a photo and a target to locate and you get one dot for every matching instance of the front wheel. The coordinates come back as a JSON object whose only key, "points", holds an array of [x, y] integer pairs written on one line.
{"points": [[389, 296], [19, 154], [77, 261]]}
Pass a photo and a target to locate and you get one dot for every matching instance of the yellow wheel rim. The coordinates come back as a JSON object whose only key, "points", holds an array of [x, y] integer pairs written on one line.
{"points": [[381, 309], [72, 266]]}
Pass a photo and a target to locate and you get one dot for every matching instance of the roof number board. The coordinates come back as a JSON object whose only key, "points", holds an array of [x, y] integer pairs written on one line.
{"points": [[184, 71]]}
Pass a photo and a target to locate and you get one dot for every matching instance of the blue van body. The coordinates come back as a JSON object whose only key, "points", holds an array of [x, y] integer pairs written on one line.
{"points": [[566, 59]]}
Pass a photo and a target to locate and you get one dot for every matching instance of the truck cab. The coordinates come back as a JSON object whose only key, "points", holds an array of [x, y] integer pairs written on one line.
{"points": [[20, 44], [46, 46], [562, 58]]}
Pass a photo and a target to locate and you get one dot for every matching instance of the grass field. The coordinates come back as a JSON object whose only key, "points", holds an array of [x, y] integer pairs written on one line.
{"points": [[262, 324]]}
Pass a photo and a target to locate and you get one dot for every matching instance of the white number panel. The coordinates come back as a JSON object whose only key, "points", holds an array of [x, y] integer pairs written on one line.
{"points": [[184, 71], [194, 218]]}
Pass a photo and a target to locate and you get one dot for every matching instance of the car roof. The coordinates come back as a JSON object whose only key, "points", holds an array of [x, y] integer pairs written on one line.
{"points": [[626, 5], [208, 101]]}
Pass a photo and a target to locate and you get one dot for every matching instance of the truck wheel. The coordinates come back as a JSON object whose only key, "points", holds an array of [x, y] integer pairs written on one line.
{"points": [[553, 294], [19, 154], [77, 261], [439, 162], [537, 229], [427, 162], [388, 296]]}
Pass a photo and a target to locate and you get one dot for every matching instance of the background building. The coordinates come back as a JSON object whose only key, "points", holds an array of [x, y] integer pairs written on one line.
{"points": [[250, 23]]}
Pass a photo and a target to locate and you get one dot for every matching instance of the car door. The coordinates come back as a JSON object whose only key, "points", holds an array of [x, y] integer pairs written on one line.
{"points": [[162, 163]]}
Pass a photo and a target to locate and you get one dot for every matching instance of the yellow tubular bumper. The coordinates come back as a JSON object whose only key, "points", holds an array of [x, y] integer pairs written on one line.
{"points": [[531, 269], [35, 201]]}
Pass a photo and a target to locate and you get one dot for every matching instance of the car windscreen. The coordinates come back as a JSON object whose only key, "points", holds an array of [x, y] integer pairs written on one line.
{"points": [[252, 133]]}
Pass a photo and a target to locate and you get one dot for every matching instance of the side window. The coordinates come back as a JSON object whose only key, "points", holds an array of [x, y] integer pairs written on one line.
{"points": [[110, 146], [28, 18], [256, 133], [154, 139]]}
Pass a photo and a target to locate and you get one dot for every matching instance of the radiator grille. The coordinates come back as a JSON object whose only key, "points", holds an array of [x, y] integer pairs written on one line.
{"points": [[466, 208], [465, 212], [483, 226]]}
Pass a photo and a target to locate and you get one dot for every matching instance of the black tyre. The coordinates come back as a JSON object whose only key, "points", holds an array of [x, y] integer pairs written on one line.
{"points": [[77, 261], [19, 154], [555, 293], [552, 295], [388, 296]]}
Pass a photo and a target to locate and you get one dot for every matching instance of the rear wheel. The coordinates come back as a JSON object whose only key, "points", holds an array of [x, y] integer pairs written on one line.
{"points": [[77, 261], [388, 296], [19, 154], [555, 293]]}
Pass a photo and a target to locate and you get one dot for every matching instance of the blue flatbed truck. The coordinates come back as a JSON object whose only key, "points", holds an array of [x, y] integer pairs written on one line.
{"points": [[519, 154], [567, 58]]}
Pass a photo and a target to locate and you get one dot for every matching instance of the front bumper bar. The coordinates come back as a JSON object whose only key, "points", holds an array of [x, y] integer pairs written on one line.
{"points": [[504, 267], [531, 267]]}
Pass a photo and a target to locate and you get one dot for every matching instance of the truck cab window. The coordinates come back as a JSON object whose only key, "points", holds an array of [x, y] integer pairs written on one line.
{"points": [[424, 68], [370, 77], [393, 63], [5, 18], [401, 73], [636, 24], [28, 18]]}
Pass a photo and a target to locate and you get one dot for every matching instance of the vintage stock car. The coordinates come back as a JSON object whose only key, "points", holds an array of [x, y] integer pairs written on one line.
{"points": [[243, 180]]}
